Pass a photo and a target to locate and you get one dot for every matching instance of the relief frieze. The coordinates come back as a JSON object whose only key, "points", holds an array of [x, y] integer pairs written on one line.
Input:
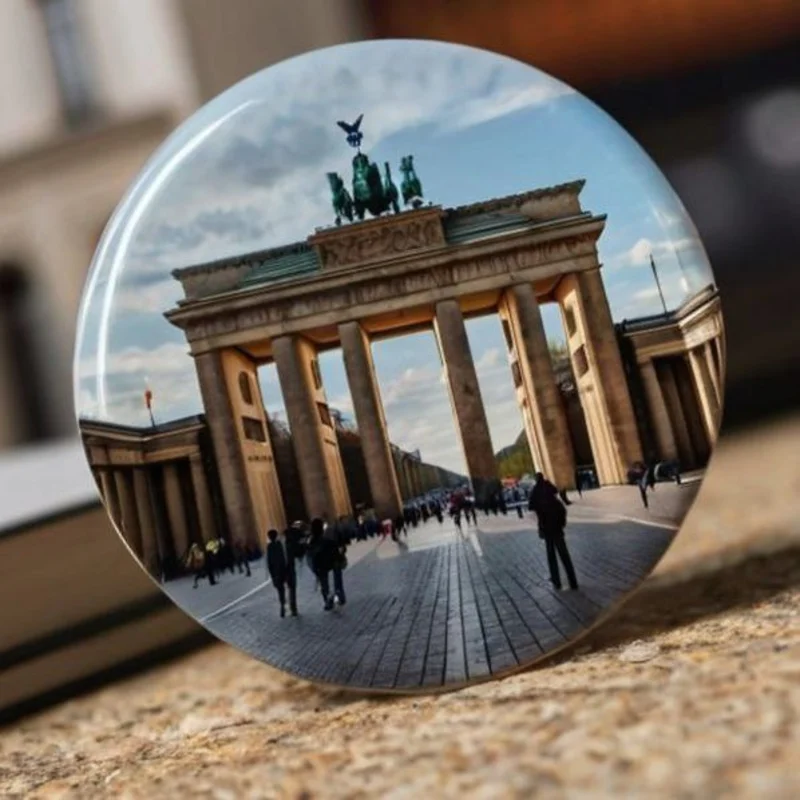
{"points": [[379, 243]]}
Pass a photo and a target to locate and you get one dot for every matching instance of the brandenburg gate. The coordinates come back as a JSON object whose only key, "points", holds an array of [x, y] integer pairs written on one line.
{"points": [[425, 268]]}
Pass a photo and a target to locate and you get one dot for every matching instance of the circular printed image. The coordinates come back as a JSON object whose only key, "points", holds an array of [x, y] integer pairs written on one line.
{"points": [[399, 365]]}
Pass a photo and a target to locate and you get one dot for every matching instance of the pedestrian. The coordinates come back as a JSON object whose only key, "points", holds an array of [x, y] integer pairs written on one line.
{"points": [[212, 557], [240, 558], [552, 518], [327, 555], [197, 562], [281, 568], [362, 529]]}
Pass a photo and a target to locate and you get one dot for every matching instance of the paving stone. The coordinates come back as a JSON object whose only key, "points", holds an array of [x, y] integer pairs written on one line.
{"points": [[420, 614]]}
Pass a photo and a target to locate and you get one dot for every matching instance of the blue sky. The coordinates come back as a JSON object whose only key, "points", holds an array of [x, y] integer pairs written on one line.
{"points": [[248, 172]]}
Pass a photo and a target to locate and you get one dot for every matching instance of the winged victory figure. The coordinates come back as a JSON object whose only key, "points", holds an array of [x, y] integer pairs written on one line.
{"points": [[354, 135]]}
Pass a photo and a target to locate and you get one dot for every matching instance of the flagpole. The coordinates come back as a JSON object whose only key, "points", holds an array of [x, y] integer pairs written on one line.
{"points": [[148, 401], [658, 283]]}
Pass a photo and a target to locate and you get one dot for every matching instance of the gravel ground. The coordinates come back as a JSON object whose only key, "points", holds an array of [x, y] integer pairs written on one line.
{"points": [[691, 690]]}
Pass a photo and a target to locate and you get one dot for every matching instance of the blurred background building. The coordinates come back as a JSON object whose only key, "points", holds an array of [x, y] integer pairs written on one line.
{"points": [[88, 90]]}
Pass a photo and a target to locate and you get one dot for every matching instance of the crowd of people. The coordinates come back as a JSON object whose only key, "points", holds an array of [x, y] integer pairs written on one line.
{"points": [[323, 545], [216, 557]]}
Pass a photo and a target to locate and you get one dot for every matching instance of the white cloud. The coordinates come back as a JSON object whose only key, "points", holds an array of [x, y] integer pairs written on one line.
{"points": [[639, 253], [668, 218], [150, 298], [169, 372], [507, 101], [489, 360]]}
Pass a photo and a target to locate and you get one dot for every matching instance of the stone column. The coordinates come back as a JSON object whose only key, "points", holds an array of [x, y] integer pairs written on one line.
{"points": [[108, 489], [465, 396], [147, 523], [370, 418], [680, 427], [659, 415], [549, 418], [617, 417], [719, 346], [175, 509], [705, 391], [712, 371], [227, 447], [303, 416], [128, 519], [205, 509], [407, 478]]}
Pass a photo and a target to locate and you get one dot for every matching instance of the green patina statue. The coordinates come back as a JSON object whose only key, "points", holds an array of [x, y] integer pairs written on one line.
{"points": [[411, 186], [371, 193], [368, 190], [389, 189], [342, 202]]}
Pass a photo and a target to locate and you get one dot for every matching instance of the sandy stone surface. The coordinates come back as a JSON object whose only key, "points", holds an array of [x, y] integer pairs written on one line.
{"points": [[691, 690]]}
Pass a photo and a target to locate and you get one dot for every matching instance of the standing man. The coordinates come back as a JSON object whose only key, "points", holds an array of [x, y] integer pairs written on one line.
{"points": [[552, 516], [281, 568]]}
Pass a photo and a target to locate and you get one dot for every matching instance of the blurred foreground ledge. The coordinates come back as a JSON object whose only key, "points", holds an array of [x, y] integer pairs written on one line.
{"points": [[691, 688]]}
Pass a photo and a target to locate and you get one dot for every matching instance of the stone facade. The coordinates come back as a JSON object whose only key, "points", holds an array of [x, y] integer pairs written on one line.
{"points": [[676, 367], [429, 268], [161, 487]]}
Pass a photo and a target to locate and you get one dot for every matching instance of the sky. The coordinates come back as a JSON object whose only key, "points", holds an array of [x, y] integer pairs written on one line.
{"points": [[247, 172]]}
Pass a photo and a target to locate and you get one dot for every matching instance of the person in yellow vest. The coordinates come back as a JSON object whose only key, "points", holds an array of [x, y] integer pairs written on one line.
{"points": [[197, 562], [212, 557]]}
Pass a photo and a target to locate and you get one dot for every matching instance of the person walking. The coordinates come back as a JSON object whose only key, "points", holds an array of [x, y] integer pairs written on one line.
{"points": [[281, 568], [327, 555], [552, 517], [197, 562]]}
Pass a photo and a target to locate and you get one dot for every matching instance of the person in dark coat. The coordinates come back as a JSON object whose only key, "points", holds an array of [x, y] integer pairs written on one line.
{"points": [[281, 568], [552, 516], [326, 555]]}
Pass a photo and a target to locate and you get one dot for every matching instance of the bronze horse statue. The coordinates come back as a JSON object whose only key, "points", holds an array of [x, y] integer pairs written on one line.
{"points": [[411, 186], [342, 202]]}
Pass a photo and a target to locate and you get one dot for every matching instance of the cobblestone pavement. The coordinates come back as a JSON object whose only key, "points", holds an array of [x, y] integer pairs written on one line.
{"points": [[441, 606]]}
